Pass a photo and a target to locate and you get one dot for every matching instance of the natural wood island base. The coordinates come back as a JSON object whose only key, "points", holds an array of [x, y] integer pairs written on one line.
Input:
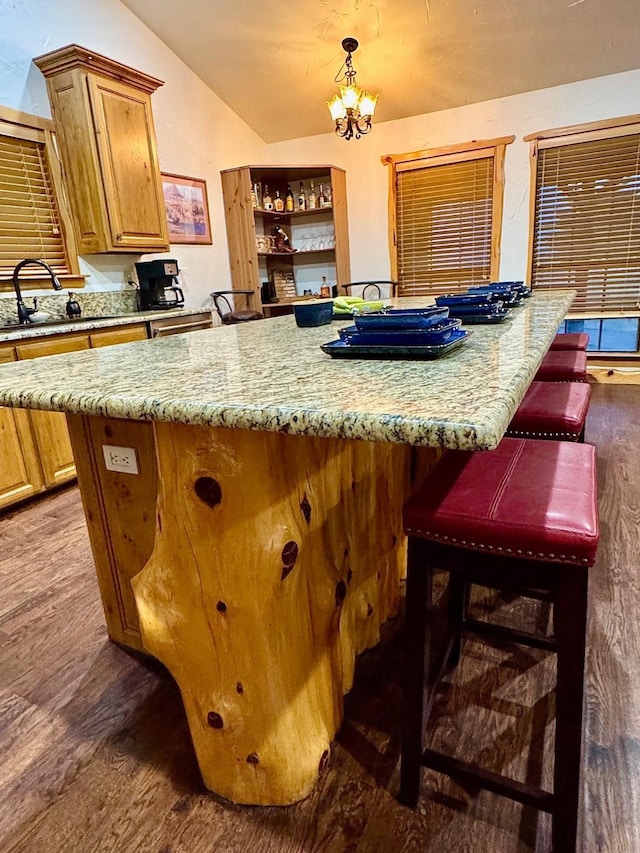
{"points": [[276, 559]]}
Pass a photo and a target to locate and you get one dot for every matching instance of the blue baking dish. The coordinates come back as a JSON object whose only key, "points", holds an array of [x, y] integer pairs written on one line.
{"points": [[435, 335], [457, 300], [402, 318]]}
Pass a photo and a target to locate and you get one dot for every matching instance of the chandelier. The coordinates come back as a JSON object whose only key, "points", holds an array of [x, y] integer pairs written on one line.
{"points": [[353, 109]]}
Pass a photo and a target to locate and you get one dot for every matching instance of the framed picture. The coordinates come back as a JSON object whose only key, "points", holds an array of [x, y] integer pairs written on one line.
{"points": [[187, 209]]}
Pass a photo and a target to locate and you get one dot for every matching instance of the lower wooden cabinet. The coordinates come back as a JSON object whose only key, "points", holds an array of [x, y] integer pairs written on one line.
{"points": [[20, 471], [35, 450], [50, 428]]}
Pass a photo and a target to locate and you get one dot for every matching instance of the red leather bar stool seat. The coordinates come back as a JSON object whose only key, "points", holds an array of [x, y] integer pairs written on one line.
{"points": [[570, 340], [522, 518], [552, 410], [563, 366]]}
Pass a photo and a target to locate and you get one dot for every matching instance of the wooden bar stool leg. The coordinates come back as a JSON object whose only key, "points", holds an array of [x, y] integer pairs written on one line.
{"points": [[570, 629], [458, 601], [416, 675]]}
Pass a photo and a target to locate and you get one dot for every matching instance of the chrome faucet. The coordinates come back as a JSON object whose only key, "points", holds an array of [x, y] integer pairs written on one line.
{"points": [[23, 311]]}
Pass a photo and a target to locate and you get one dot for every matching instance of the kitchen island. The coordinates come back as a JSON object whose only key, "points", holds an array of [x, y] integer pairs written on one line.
{"points": [[259, 519]]}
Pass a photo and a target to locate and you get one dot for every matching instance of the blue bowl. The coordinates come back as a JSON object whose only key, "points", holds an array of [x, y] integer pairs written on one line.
{"points": [[313, 312]]}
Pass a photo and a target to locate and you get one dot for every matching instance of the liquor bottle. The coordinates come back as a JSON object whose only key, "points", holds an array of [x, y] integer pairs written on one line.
{"points": [[289, 202], [302, 198], [322, 201], [327, 196], [312, 198], [256, 196], [267, 203], [278, 204]]}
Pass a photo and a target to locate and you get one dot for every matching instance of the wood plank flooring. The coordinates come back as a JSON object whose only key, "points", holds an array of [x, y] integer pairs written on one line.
{"points": [[95, 754]]}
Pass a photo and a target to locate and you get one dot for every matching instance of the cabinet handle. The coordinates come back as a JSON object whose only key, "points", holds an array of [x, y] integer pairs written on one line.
{"points": [[182, 327], [118, 236]]}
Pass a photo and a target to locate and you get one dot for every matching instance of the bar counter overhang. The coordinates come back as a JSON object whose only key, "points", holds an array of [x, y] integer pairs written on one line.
{"points": [[262, 537]]}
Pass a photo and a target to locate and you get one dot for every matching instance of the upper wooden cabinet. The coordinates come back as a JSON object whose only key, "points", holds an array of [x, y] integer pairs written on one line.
{"points": [[103, 119]]}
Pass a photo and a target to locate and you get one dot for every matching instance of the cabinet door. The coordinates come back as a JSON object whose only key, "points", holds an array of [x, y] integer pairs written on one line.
{"points": [[20, 474], [125, 335], [50, 428], [131, 176]]}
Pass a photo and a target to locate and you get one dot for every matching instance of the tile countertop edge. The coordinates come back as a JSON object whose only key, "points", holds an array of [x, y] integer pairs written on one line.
{"points": [[34, 330], [384, 411]]}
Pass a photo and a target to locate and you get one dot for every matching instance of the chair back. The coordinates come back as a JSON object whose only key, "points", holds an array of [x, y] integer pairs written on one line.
{"points": [[373, 289], [227, 312]]}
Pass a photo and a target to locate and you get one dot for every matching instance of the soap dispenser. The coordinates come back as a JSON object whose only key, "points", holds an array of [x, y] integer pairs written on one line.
{"points": [[72, 307]]}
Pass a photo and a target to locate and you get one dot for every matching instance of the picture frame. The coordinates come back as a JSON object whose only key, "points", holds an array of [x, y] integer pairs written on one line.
{"points": [[187, 209]]}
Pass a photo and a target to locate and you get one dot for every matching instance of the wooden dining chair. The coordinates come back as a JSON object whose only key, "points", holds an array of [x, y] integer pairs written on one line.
{"points": [[372, 289], [227, 311]]}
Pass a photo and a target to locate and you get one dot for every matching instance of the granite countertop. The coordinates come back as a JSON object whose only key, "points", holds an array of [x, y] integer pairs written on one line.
{"points": [[59, 327], [271, 375]]}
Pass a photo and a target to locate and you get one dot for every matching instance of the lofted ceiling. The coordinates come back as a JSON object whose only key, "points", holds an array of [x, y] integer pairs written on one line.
{"points": [[274, 61]]}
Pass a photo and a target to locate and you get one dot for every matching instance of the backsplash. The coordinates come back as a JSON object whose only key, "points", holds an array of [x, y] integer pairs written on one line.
{"points": [[93, 304]]}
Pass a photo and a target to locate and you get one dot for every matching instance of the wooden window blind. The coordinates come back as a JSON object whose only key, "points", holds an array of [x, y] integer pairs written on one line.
{"points": [[445, 215], [586, 229], [444, 227], [33, 220], [29, 222]]}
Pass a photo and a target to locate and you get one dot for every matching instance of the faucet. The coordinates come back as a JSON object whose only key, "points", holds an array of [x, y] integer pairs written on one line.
{"points": [[23, 311]]}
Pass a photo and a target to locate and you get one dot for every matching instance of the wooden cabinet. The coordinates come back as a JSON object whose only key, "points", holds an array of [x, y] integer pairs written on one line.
{"points": [[20, 472], [35, 450], [320, 236], [104, 124], [50, 428]]}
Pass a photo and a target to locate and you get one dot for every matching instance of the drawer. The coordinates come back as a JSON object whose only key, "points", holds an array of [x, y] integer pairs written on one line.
{"points": [[122, 335], [52, 346]]}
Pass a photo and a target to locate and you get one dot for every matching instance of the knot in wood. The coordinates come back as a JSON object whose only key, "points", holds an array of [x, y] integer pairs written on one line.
{"points": [[214, 720], [253, 759], [289, 556], [341, 592], [208, 490]]}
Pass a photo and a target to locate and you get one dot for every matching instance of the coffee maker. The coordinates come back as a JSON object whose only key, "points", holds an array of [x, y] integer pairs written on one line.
{"points": [[158, 285]]}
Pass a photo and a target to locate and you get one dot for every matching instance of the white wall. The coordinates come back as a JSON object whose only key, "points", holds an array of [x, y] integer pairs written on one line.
{"points": [[367, 178], [198, 135]]}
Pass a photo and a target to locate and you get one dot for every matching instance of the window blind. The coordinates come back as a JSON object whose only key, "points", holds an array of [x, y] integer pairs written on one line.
{"points": [[29, 220], [587, 222], [444, 226]]}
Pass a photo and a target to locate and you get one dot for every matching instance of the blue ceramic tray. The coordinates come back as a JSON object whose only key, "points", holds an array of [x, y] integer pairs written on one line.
{"points": [[477, 308], [439, 333], [341, 349], [399, 319], [482, 319], [510, 293], [455, 300]]}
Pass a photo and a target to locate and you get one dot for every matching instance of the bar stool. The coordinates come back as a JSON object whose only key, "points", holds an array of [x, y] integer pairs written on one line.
{"points": [[570, 340], [520, 518], [563, 366], [552, 410]]}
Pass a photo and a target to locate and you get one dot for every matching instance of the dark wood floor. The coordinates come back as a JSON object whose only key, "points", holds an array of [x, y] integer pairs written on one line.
{"points": [[95, 754]]}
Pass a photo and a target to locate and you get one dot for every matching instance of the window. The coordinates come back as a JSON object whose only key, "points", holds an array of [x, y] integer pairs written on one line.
{"points": [[586, 222], [447, 216], [614, 334], [33, 222]]}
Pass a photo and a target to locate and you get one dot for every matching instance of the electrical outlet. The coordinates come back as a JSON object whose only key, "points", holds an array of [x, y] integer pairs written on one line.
{"points": [[120, 459]]}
